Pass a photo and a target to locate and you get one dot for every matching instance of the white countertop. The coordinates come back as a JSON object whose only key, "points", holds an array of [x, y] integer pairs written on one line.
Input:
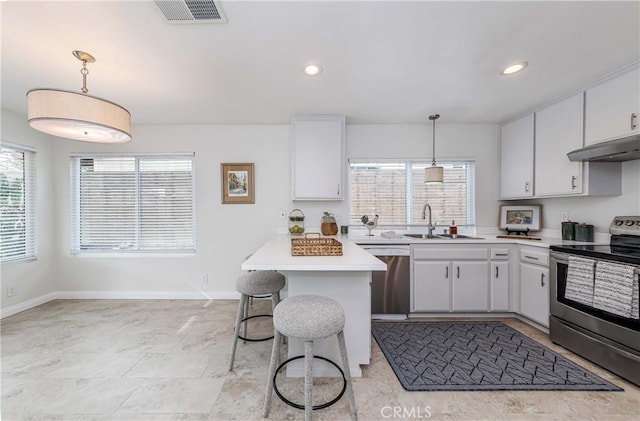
{"points": [[544, 242], [276, 255]]}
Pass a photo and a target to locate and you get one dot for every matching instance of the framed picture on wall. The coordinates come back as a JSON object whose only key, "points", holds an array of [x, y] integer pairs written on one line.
{"points": [[237, 183], [520, 218]]}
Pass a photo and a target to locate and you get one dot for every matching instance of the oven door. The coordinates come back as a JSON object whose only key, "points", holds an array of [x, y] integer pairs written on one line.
{"points": [[618, 329]]}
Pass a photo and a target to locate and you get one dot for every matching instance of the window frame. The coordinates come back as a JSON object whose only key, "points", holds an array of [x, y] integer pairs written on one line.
{"points": [[77, 249], [29, 188], [408, 194]]}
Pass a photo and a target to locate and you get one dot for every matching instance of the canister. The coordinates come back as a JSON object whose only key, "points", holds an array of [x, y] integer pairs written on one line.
{"points": [[583, 232], [568, 230]]}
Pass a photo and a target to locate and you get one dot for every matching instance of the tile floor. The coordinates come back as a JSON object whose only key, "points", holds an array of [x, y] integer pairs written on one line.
{"points": [[167, 360]]}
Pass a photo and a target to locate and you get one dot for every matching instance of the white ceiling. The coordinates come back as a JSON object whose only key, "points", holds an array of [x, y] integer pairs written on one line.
{"points": [[384, 61]]}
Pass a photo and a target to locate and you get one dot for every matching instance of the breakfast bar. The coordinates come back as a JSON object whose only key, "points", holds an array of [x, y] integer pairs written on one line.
{"points": [[346, 279]]}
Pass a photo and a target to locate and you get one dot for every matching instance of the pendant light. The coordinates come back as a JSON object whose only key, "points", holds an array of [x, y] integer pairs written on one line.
{"points": [[78, 116], [433, 174]]}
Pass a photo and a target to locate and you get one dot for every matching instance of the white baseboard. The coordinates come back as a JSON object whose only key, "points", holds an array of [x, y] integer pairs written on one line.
{"points": [[147, 295], [26, 305], [118, 295]]}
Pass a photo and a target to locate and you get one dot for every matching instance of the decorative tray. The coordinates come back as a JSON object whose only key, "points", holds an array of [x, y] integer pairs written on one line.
{"points": [[315, 246]]}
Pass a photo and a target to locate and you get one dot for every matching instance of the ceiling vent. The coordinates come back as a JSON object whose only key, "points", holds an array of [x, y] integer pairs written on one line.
{"points": [[191, 11]]}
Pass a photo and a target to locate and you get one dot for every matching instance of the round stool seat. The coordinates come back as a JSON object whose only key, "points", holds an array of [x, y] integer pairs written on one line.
{"points": [[308, 317], [260, 282]]}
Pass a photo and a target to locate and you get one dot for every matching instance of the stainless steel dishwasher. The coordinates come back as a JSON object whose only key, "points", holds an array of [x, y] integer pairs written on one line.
{"points": [[390, 290]]}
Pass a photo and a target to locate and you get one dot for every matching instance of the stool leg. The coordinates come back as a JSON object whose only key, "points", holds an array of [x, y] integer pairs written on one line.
{"points": [[236, 329], [308, 379], [347, 374], [246, 314], [275, 361]]}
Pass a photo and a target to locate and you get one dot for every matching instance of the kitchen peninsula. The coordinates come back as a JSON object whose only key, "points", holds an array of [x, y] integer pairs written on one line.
{"points": [[346, 279]]}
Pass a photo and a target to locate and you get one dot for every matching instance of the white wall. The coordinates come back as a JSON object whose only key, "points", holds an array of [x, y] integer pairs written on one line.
{"points": [[36, 278], [226, 234]]}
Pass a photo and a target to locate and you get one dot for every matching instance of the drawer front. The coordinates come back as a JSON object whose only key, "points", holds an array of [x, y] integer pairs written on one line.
{"points": [[450, 253], [534, 257], [499, 254]]}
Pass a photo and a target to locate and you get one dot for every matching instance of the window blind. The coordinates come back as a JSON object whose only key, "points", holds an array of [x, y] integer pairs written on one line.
{"points": [[396, 192], [133, 203], [17, 203]]}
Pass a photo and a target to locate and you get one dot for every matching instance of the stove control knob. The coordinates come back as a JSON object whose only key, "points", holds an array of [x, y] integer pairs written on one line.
{"points": [[638, 222], [628, 222], [619, 222]]}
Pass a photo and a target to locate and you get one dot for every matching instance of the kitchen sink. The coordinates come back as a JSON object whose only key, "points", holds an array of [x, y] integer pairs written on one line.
{"points": [[442, 237]]}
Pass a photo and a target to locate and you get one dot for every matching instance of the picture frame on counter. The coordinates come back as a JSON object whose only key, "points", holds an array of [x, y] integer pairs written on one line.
{"points": [[523, 218], [238, 186]]}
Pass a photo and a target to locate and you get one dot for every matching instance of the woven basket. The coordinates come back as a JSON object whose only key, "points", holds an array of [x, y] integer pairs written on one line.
{"points": [[315, 246]]}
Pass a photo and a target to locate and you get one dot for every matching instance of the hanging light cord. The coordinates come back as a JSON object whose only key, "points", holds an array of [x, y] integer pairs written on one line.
{"points": [[84, 72], [433, 118]]}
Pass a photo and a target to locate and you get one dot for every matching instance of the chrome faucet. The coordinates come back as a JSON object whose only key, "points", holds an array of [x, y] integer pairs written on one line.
{"points": [[430, 227]]}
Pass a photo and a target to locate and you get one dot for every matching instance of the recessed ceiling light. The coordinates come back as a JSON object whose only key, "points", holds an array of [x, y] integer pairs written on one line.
{"points": [[515, 68], [312, 69]]}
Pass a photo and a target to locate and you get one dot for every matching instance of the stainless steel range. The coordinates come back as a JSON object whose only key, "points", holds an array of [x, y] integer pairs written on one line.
{"points": [[594, 299]]}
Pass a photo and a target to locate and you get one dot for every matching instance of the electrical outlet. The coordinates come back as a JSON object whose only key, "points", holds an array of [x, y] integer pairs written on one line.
{"points": [[11, 291], [564, 216]]}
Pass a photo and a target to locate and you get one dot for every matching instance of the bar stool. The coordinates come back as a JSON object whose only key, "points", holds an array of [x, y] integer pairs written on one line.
{"points": [[308, 317], [253, 284]]}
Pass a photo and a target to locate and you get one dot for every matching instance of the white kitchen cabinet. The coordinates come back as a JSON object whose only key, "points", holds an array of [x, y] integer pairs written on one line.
{"points": [[448, 279], [516, 158], [559, 130], [432, 290], [534, 285], [318, 157], [470, 286], [612, 108], [499, 279]]}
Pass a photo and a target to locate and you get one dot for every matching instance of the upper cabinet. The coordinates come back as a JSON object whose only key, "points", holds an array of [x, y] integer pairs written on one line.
{"points": [[612, 108], [318, 157], [516, 147], [559, 131]]}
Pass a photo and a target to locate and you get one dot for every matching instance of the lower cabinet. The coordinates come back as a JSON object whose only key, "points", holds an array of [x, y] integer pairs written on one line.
{"points": [[442, 283], [534, 286], [499, 274], [470, 286], [432, 291]]}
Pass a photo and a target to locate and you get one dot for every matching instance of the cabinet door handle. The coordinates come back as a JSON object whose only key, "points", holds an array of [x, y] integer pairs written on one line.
{"points": [[542, 279], [573, 182], [458, 272], [526, 187], [531, 257], [634, 121], [497, 272], [502, 254], [446, 272], [338, 189]]}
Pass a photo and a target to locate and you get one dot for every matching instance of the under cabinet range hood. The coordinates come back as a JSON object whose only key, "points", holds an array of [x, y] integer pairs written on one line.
{"points": [[618, 150]]}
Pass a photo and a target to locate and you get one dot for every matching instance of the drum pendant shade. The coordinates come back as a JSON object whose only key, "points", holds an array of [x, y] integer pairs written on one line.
{"points": [[78, 116]]}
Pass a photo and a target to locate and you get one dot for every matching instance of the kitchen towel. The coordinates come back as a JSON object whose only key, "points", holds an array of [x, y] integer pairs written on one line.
{"points": [[580, 280], [616, 289]]}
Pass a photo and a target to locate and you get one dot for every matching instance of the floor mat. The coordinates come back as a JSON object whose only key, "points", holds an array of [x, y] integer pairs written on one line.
{"points": [[480, 356]]}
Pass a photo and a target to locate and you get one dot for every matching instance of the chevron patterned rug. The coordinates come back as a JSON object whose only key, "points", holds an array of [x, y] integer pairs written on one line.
{"points": [[477, 356]]}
